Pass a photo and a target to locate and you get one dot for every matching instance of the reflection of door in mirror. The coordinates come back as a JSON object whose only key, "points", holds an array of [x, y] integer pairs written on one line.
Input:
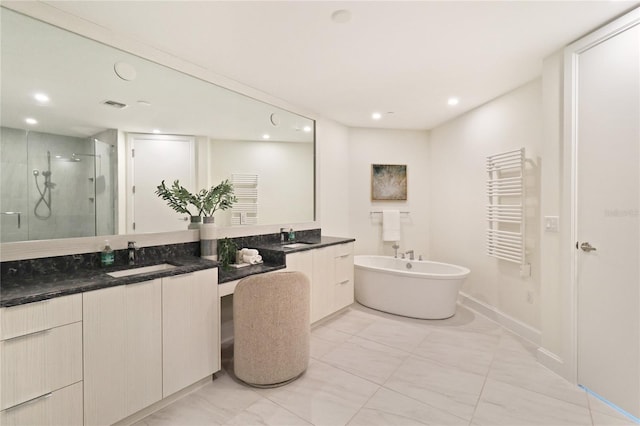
{"points": [[49, 186], [156, 158]]}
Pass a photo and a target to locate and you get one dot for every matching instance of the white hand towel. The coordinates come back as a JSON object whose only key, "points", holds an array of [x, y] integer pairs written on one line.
{"points": [[252, 259], [391, 225], [249, 252]]}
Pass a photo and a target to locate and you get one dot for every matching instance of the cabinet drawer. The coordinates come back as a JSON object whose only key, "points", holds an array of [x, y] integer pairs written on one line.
{"points": [[41, 362], [343, 294], [32, 317], [344, 268], [341, 250], [61, 407]]}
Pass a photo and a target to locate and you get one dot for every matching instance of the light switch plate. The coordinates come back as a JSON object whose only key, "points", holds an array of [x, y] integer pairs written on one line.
{"points": [[551, 223]]}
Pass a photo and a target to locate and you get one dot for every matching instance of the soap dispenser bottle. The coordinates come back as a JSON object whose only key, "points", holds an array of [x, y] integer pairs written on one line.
{"points": [[106, 256], [292, 235]]}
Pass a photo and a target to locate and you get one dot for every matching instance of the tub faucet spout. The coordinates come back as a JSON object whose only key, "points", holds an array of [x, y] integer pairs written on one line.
{"points": [[411, 255]]}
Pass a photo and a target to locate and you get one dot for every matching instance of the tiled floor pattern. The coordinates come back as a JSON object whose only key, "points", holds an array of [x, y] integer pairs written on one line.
{"points": [[369, 368]]}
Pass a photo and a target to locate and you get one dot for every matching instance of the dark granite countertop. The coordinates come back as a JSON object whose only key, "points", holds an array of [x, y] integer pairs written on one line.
{"points": [[232, 274], [274, 252], [310, 243], [26, 289], [46, 284]]}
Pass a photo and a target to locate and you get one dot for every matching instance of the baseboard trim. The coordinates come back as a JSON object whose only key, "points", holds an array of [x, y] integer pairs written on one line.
{"points": [[518, 327], [553, 362]]}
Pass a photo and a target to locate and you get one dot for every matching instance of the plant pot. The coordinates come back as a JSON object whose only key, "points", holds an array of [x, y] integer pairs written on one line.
{"points": [[196, 222], [208, 239]]}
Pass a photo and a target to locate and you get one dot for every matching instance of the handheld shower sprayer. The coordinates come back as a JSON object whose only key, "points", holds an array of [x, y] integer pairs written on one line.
{"points": [[45, 194]]}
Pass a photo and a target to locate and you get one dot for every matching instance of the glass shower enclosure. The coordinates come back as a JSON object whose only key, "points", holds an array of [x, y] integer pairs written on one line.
{"points": [[56, 186]]}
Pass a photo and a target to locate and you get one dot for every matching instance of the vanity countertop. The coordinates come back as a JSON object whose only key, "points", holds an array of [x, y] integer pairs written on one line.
{"points": [[29, 288], [34, 288], [311, 243]]}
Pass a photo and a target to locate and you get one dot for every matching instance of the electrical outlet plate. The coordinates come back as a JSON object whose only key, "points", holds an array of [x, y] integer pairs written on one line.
{"points": [[551, 223]]}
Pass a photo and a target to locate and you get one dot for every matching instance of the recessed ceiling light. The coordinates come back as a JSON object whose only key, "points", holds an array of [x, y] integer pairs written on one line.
{"points": [[144, 103], [453, 101], [376, 116], [341, 16], [265, 136], [156, 131], [306, 129], [41, 97], [31, 121]]}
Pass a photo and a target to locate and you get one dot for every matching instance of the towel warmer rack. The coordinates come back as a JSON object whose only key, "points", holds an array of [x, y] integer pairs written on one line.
{"points": [[245, 188], [505, 208]]}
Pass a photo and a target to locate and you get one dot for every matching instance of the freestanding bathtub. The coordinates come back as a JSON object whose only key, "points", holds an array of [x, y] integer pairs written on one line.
{"points": [[411, 288]]}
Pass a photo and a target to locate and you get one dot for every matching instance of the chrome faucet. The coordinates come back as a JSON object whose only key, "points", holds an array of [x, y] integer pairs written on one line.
{"points": [[131, 246], [395, 247], [411, 254]]}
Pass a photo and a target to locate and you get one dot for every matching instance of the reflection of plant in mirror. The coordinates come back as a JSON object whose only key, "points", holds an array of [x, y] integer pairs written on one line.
{"points": [[207, 201], [178, 197], [218, 197], [227, 252]]}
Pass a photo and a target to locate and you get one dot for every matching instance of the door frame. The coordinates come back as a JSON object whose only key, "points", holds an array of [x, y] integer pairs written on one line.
{"points": [[569, 187], [130, 137]]}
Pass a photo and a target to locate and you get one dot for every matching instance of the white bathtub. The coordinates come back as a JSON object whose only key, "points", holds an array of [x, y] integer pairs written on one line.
{"points": [[411, 288]]}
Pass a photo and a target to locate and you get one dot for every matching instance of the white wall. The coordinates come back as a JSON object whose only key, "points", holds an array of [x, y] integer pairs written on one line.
{"points": [[457, 206], [332, 174], [285, 180], [554, 321], [379, 146]]}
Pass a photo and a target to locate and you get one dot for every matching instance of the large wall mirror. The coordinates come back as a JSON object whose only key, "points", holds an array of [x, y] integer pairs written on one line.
{"points": [[82, 123]]}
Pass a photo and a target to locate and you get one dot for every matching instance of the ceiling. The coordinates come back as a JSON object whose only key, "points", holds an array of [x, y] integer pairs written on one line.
{"points": [[402, 59]]}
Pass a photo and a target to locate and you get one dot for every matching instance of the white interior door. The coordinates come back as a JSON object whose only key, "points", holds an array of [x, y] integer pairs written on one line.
{"points": [[156, 158], [608, 203]]}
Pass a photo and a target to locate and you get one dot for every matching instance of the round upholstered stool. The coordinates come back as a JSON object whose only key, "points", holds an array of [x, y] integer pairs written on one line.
{"points": [[271, 328]]}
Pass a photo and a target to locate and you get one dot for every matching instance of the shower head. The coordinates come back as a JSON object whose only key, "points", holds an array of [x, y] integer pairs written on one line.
{"points": [[36, 172]]}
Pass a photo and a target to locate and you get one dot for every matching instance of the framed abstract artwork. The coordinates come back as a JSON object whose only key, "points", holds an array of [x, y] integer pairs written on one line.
{"points": [[388, 182]]}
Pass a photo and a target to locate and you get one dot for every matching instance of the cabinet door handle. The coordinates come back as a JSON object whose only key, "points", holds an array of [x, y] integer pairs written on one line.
{"points": [[344, 282], [30, 401], [28, 334]]}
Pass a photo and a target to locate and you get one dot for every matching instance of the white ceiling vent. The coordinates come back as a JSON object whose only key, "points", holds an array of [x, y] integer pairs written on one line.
{"points": [[114, 104]]}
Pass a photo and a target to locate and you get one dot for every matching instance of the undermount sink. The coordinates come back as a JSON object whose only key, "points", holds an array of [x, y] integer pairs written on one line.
{"points": [[296, 245], [141, 270]]}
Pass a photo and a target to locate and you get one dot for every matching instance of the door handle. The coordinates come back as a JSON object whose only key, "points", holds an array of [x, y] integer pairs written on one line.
{"points": [[587, 247]]}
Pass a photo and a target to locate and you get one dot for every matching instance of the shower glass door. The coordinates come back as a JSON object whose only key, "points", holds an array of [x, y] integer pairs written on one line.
{"points": [[56, 186]]}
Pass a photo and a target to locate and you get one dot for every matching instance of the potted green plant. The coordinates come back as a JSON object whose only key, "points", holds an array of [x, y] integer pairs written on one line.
{"points": [[227, 252]]}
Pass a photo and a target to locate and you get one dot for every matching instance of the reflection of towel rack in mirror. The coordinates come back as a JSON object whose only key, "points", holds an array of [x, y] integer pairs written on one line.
{"points": [[379, 212]]}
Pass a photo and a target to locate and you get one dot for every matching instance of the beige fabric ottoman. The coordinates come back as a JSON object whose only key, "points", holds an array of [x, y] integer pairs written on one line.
{"points": [[271, 328]]}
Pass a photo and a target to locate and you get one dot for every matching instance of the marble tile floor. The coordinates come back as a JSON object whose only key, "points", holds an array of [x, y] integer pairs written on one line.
{"points": [[369, 368]]}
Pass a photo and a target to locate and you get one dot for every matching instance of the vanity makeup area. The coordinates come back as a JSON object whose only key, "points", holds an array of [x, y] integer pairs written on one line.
{"points": [[82, 344]]}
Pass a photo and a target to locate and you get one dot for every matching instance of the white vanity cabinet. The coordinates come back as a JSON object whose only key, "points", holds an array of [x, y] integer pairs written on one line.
{"points": [[41, 362], [122, 350], [330, 270], [342, 292], [146, 341], [190, 329]]}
